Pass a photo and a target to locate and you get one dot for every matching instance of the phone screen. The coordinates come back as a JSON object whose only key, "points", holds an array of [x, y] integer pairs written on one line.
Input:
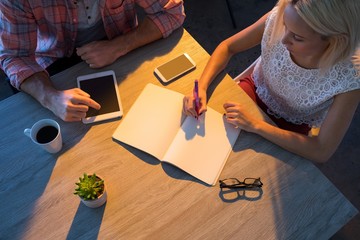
{"points": [[175, 67]]}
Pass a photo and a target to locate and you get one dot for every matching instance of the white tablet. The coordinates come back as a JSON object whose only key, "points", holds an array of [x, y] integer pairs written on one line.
{"points": [[102, 87]]}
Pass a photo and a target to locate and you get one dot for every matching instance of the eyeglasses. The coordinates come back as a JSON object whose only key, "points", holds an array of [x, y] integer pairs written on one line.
{"points": [[236, 183]]}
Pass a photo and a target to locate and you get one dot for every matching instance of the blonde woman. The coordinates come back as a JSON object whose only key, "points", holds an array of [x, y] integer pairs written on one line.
{"points": [[308, 75]]}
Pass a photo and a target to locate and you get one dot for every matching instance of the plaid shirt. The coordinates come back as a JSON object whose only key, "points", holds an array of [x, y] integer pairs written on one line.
{"points": [[34, 33]]}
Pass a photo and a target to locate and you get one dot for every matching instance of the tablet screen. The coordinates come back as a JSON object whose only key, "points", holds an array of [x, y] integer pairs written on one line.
{"points": [[102, 88]]}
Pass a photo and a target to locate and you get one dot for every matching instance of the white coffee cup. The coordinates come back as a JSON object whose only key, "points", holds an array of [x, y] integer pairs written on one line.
{"points": [[46, 134]]}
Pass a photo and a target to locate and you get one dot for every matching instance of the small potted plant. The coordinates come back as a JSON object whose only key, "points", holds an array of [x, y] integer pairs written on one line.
{"points": [[91, 190]]}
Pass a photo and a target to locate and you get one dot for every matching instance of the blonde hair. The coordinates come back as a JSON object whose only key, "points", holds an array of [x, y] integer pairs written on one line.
{"points": [[336, 20]]}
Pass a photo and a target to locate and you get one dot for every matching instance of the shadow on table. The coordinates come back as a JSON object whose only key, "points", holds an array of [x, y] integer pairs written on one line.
{"points": [[86, 223], [26, 169], [169, 169], [234, 195], [177, 173], [146, 53], [295, 190], [19, 193]]}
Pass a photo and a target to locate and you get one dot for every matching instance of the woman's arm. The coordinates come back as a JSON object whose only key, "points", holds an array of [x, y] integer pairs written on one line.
{"points": [[318, 148], [245, 39]]}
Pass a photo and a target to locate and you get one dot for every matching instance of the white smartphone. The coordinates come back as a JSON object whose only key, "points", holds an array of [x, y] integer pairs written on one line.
{"points": [[102, 87], [175, 68]]}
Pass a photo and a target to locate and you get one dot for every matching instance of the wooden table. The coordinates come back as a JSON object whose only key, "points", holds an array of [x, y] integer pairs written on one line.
{"points": [[147, 199]]}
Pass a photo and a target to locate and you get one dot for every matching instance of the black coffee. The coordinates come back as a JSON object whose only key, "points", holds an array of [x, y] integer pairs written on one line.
{"points": [[46, 134]]}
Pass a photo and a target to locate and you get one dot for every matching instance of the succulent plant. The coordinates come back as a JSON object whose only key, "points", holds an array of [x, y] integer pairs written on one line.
{"points": [[89, 187]]}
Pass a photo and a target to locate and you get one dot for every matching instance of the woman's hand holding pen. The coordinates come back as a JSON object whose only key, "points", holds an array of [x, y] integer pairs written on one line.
{"points": [[189, 105]]}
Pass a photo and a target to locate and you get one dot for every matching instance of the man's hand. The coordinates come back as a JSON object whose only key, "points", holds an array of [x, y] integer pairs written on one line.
{"points": [[100, 53], [71, 105], [103, 53]]}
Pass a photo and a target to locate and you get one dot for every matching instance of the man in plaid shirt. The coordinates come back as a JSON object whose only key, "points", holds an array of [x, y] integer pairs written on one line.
{"points": [[36, 33]]}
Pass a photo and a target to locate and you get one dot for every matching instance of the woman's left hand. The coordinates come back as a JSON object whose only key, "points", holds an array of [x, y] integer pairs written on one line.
{"points": [[237, 115]]}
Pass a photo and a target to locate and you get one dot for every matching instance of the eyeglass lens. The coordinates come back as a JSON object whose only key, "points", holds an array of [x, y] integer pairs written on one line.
{"points": [[249, 182]]}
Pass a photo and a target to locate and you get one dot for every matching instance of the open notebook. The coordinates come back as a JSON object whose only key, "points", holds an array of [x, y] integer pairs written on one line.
{"points": [[155, 124]]}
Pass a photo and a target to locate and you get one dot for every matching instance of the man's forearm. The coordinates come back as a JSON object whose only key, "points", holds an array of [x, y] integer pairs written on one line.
{"points": [[145, 33], [39, 87]]}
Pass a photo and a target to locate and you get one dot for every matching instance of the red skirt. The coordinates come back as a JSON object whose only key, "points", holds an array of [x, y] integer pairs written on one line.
{"points": [[248, 85]]}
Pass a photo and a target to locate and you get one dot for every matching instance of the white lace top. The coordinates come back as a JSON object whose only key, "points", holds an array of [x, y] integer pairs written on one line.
{"points": [[296, 94]]}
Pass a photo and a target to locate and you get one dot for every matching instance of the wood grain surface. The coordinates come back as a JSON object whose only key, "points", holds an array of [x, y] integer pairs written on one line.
{"points": [[148, 199]]}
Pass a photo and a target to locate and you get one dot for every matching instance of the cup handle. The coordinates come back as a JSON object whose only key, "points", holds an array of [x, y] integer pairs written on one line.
{"points": [[27, 132]]}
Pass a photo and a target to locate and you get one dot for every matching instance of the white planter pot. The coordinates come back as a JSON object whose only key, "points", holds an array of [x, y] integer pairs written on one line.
{"points": [[95, 203]]}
